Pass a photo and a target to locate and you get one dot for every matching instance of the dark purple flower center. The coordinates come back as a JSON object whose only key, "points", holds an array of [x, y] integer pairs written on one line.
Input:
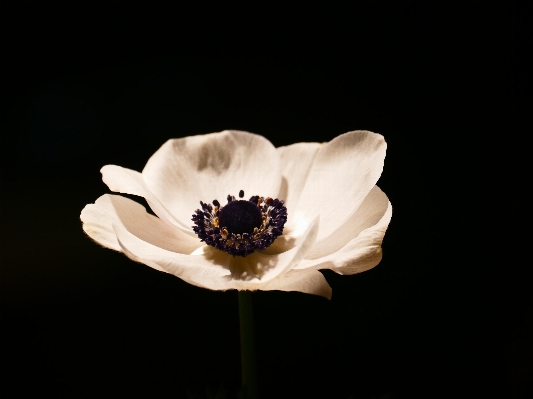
{"points": [[240, 217]]}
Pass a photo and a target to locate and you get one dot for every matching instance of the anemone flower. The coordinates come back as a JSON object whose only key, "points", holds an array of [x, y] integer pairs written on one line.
{"points": [[300, 208]]}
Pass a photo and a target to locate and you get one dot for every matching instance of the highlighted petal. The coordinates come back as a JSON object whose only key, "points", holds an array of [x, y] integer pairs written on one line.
{"points": [[368, 215], [358, 255], [194, 269], [108, 210], [296, 162], [343, 173], [306, 281], [211, 166], [214, 269]]}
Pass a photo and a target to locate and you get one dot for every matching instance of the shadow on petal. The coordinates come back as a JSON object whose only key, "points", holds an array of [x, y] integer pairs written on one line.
{"points": [[284, 189], [252, 267]]}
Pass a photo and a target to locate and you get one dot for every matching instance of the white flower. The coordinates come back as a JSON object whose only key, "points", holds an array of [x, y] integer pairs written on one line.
{"points": [[336, 215]]}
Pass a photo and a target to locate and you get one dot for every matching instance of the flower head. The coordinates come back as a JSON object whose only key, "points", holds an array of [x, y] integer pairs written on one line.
{"points": [[312, 206]]}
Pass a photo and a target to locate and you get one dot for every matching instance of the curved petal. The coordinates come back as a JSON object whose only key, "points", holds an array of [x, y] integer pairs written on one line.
{"points": [[306, 281], [260, 268], [98, 220], [127, 181], [214, 269], [369, 214], [211, 166], [358, 255], [296, 161], [343, 173], [97, 224]]}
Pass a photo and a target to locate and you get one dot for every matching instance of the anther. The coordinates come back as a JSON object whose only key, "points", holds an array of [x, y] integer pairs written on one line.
{"points": [[241, 194]]}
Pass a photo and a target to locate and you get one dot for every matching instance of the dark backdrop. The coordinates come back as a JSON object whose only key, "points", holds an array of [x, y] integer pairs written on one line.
{"points": [[86, 84]]}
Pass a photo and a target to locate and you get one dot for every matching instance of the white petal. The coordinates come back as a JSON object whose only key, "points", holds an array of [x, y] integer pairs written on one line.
{"points": [[260, 268], [123, 180], [358, 255], [343, 173], [369, 214], [306, 281], [296, 161], [191, 268], [207, 167], [97, 223], [214, 269], [98, 220]]}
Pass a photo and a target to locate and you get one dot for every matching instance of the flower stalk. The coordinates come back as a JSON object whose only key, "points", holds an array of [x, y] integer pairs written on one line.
{"points": [[248, 354]]}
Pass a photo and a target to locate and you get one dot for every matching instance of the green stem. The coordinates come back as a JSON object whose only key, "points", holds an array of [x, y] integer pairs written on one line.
{"points": [[248, 357]]}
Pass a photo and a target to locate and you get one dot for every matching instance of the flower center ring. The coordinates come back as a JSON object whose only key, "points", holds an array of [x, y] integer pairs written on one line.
{"points": [[240, 227]]}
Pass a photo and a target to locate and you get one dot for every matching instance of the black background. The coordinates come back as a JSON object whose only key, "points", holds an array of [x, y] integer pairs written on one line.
{"points": [[86, 84]]}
